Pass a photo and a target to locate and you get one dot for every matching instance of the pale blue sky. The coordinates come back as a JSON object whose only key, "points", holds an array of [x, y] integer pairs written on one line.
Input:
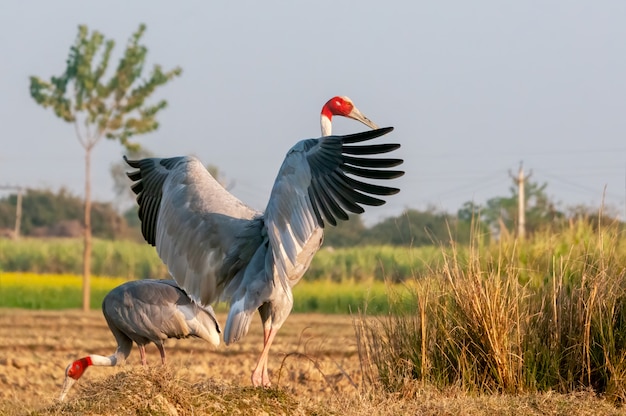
{"points": [[472, 88]]}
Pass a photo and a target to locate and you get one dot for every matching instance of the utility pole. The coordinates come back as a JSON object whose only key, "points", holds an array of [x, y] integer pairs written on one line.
{"points": [[18, 208], [520, 179], [18, 213]]}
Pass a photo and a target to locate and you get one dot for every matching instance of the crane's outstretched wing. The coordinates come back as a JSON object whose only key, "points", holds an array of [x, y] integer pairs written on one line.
{"points": [[316, 186], [191, 220]]}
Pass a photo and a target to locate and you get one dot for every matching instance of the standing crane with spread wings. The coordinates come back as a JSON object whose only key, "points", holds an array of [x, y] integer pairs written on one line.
{"points": [[219, 249]]}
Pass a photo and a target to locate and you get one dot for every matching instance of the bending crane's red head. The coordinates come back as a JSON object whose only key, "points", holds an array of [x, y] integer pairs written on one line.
{"points": [[77, 368], [341, 106], [72, 373]]}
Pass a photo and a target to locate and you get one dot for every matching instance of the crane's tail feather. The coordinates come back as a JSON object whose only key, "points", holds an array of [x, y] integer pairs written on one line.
{"points": [[237, 323]]}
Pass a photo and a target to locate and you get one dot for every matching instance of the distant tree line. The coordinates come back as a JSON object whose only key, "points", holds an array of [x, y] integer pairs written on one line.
{"points": [[58, 214], [496, 217]]}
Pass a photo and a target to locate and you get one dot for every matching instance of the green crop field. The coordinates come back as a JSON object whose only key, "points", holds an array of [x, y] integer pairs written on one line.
{"points": [[140, 261]]}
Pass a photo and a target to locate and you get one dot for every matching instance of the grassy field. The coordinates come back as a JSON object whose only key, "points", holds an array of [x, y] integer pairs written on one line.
{"points": [[530, 318], [140, 261]]}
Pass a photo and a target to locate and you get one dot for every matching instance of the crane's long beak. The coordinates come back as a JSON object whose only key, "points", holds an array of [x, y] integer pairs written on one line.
{"points": [[67, 385], [357, 115]]}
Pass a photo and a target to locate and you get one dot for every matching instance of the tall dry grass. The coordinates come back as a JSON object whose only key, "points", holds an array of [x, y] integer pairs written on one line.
{"points": [[546, 314]]}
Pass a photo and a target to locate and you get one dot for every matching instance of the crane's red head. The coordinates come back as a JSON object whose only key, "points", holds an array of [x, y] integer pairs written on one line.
{"points": [[72, 373], [77, 368], [337, 106], [341, 106]]}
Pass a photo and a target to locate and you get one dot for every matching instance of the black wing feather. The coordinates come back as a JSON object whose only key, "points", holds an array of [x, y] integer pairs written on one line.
{"points": [[371, 173], [371, 163], [366, 135], [372, 149], [332, 191], [150, 175]]}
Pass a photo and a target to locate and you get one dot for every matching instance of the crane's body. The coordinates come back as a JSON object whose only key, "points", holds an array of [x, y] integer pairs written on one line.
{"points": [[145, 311]]}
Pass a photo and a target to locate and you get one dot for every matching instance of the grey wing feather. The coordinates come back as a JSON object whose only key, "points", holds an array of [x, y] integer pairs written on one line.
{"points": [[191, 219], [313, 188]]}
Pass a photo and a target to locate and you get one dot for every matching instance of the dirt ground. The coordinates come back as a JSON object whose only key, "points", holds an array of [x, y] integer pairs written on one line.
{"points": [[314, 361], [312, 354]]}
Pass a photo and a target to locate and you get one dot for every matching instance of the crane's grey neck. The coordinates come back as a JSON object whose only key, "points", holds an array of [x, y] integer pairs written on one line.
{"points": [[326, 124]]}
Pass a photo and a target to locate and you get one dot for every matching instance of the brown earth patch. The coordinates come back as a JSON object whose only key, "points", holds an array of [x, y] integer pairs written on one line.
{"points": [[312, 354], [314, 364]]}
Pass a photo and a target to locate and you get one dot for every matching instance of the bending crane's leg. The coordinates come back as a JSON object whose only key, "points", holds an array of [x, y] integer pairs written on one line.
{"points": [[162, 351], [142, 353], [259, 375]]}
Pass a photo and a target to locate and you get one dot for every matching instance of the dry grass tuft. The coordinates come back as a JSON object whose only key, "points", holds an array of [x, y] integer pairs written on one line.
{"points": [[163, 391]]}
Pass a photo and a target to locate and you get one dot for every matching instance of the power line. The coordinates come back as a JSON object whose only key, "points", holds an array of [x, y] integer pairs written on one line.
{"points": [[486, 182], [578, 186]]}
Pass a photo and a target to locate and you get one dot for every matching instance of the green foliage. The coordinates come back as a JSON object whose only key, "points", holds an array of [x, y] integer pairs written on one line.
{"points": [[119, 258], [411, 228], [45, 213], [546, 314], [420, 228], [346, 233], [115, 108], [541, 212]]}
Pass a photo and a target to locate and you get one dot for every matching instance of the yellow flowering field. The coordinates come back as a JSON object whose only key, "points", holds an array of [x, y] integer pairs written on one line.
{"points": [[51, 291]]}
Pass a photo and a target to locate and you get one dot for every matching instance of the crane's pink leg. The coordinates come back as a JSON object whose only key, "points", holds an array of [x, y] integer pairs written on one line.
{"points": [[142, 353], [162, 351], [260, 377], [266, 334]]}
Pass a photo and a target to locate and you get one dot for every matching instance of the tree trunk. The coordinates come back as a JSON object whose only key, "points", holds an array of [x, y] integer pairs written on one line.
{"points": [[87, 231]]}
